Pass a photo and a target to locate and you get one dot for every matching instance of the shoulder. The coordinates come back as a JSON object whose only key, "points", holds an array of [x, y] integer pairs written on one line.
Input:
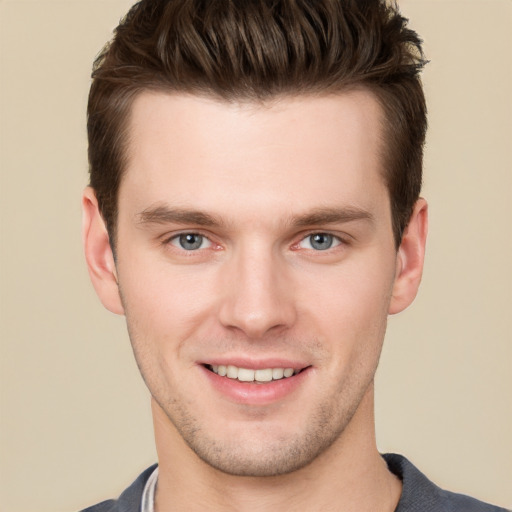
{"points": [[131, 498], [419, 494], [104, 506]]}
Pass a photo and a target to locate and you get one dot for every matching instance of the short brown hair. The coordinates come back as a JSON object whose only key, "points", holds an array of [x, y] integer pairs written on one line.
{"points": [[254, 50]]}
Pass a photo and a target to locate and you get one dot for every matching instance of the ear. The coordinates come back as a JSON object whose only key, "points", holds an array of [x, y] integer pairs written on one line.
{"points": [[98, 253], [410, 258]]}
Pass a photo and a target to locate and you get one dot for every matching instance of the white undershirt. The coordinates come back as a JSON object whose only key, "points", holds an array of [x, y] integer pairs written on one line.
{"points": [[148, 495]]}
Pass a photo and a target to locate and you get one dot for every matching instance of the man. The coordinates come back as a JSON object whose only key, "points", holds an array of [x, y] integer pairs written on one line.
{"points": [[254, 212]]}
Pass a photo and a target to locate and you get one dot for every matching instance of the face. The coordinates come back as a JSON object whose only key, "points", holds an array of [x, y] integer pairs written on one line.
{"points": [[256, 240]]}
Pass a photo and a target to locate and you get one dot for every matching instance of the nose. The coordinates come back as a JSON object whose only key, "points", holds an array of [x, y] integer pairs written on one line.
{"points": [[257, 294]]}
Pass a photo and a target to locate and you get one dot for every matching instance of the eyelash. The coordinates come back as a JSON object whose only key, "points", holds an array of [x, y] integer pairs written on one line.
{"points": [[338, 240], [176, 238]]}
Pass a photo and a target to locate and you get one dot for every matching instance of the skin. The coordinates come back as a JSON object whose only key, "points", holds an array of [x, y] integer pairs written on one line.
{"points": [[264, 179]]}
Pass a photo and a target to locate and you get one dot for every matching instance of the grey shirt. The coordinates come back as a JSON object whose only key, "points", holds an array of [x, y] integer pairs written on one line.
{"points": [[419, 494]]}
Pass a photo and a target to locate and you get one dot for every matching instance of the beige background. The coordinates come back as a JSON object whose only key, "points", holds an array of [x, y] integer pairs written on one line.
{"points": [[75, 424]]}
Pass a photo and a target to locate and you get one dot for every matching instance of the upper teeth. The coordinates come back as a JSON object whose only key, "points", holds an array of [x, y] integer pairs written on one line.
{"points": [[248, 375]]}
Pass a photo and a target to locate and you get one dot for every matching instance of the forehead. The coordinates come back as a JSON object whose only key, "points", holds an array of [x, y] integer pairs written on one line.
{"points": [[190, 150]]}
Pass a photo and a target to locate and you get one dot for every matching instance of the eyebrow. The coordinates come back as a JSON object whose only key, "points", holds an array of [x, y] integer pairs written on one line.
{"points": [[331, 216], [319, 216], [166, 215]]}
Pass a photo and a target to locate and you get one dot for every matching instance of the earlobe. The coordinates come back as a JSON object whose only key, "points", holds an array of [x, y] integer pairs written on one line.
{"points": [[98, 254], [410, 258]]}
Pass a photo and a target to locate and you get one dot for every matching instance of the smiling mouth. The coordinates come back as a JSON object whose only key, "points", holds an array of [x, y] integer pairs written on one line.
{"points": [[257, 376]]}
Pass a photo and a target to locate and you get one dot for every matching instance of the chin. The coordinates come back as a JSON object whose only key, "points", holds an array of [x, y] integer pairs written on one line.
{"points": [[265, 462], [265, 450]]}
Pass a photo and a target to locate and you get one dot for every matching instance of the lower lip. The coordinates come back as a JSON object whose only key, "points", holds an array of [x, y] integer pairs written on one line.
{"points": [[252, 393]]}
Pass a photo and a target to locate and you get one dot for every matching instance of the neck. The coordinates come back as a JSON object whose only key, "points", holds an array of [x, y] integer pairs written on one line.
{"points": [[349, 475]]}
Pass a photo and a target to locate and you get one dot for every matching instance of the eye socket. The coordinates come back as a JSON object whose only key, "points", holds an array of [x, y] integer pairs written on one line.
{"points": [[190, 241], [319, 241]]}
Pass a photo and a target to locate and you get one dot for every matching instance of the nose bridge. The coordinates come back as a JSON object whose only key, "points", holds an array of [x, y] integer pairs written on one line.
{"points": [[257, 297]]}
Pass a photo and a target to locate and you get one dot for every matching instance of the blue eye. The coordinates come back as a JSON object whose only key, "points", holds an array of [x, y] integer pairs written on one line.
{"points": [[190, 241], [319, 241]]}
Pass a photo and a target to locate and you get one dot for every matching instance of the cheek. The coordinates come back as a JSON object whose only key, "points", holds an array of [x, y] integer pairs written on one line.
{"points": [[164, 311], [353, 290], [348, 305], [164, 303]]}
